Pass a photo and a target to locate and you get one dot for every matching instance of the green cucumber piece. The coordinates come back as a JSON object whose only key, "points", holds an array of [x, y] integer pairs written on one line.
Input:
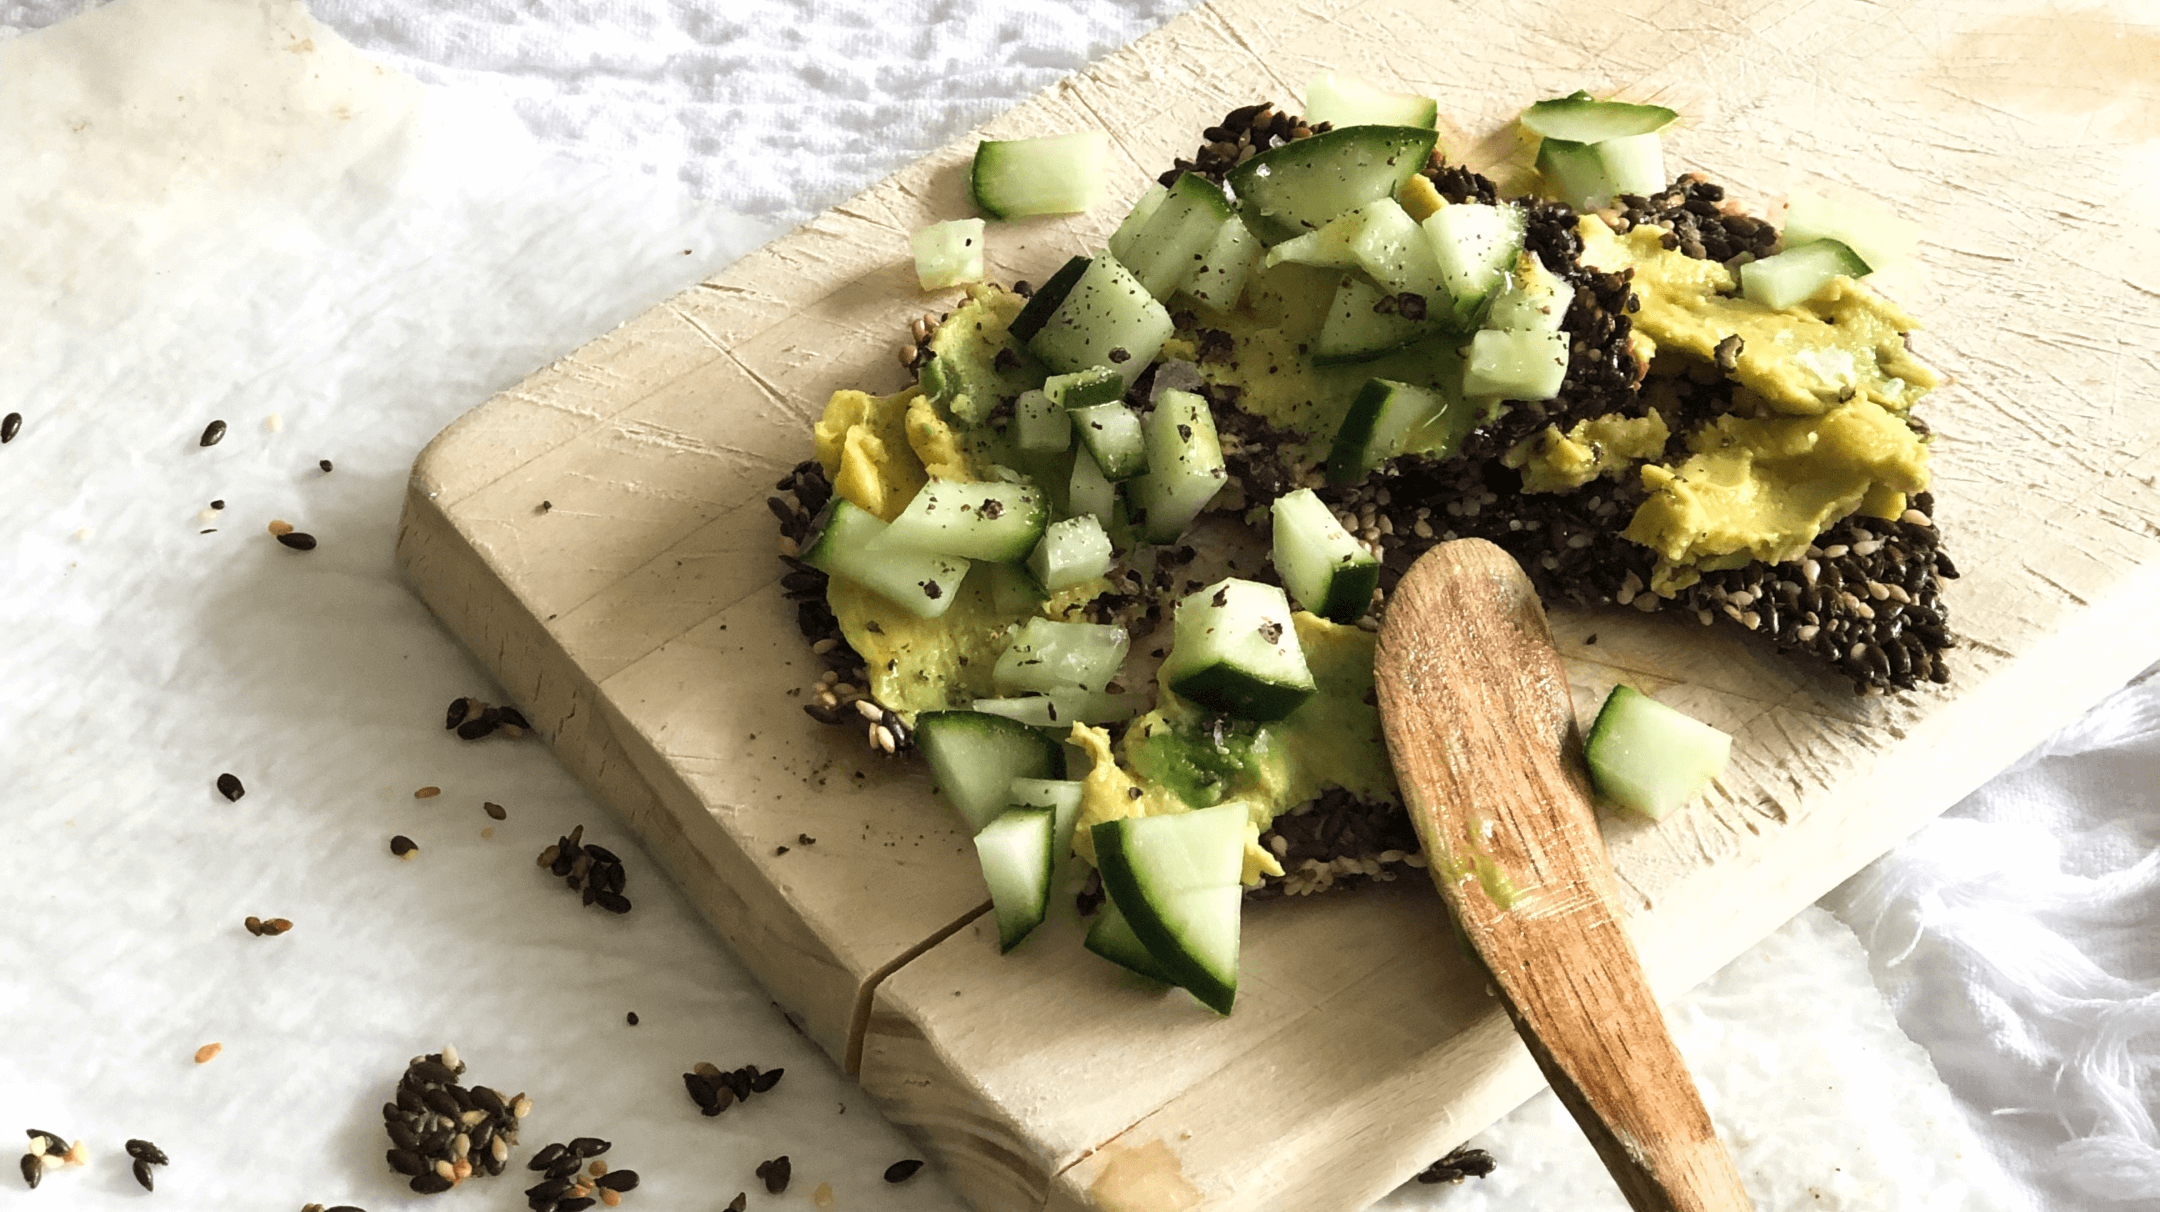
{"points": [[1059, 710], [1045, 300], [1327, 248], [1073, 551], [1646, 756], [1578, 118], [1090, 494], [1794, 276], [1111, 435], [1394, 251], [1236, 652], [1526, 364], [976, 521], [1177, 234], [1475, 245], [1135, 220], [849, 542], [1111, 937], [1217, 279], [1373, 429], [1045, 655], [1289, 190], [975, 756], [1185, 467], [1363, 323], [1341, 99], [948, 254], [1325, 570], [1874, 235], [1084, 388], [1039, 423], [1588, 176], [1177, 881], [1535, 299], [1017, 852], [1051, 175], [1106, 319]]}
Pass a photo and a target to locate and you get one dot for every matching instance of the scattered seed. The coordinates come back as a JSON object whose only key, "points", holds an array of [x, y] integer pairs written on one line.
{"points": [[10, 425], [903, 1170], [822, 1196], [208, 1052], [298, 541], [280, 527], [228, 785], [254, 925], [148, 1152], [776, 1173], [766, 1080], [619, 1180], [33, 1170], [740, 1202], [142, 1175], [589, 1146], [276, 926], [427, 793], [494, 810], [324, 464], [403, 847], [631, 1018], [213, 433]]}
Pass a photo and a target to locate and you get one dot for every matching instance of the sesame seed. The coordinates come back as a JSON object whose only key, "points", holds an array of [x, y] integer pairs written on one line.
{"points": [[208, 1052], [280, 527], [427, 793]]}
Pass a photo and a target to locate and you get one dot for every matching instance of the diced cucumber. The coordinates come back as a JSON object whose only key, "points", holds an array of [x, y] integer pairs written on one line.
{"points": [[947, 254], [1111, 434], [1535, 298], [1236, 652], [1525, 364], [1177, 234], [1135, 220], [1082, 388], [1578, 118], [1394, 251], [1106, 319], [1040, 423], [1177, 881], [978, 521], [1061, 796], [1060, 710], [1052, 175], [1874, 235], [1649, 757], [1012, 588], [1071, 552], [1794, 276], [1363, 323], [1475, 245], [1045, 655], [1325, 570], [975, 757], [848, 542], [1217, 279], [1296, 188], [1045, 300], [1373, 429], [1588, 176], [1185, 467], [1327, 248], [1341, 99], [1111, 937], [1016, 851], [1090, 494]]}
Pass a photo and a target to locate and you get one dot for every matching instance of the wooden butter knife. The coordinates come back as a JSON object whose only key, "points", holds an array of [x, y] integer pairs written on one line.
{"points": [[1475, 707]]}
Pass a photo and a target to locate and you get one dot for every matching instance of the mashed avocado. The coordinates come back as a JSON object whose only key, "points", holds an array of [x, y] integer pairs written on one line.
{"points": [[1552, 461]]}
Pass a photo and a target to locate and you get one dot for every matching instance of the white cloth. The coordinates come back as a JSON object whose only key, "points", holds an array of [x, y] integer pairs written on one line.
{"points": [[341, 285]]}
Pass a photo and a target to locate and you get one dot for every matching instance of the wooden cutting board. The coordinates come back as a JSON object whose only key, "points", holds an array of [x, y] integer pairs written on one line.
{"points": [[599, 537]]}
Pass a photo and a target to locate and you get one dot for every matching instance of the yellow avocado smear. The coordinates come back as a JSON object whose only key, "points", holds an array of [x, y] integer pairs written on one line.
{"points": [[1179, 757], [1830, 381]]}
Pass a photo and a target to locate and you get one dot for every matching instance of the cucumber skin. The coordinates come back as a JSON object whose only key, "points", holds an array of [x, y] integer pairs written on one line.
{"points": [[1123, 947], [1413, 146], [1046, 299], [1619, 702], [1052, 764], [1117, 867], [1221, 689]]}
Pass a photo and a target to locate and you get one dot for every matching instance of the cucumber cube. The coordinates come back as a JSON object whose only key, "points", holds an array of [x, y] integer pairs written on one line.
{"points": [[1649, 757], [1185, 467], [948, 254], [1039, 423], [1051, 175], [1111, 433], [1072, 552], [1084, 388], [978, 521], [1045, 655], [1327, 571], [1520, 365], [1342, 99], [1236, 652]]}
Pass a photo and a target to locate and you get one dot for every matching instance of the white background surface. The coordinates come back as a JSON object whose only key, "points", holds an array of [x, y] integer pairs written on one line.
{"points": [[337, 262]]}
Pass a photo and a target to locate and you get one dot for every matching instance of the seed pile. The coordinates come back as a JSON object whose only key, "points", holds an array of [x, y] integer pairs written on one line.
{"points": [[776, 1173], [49, 1151], [588, 868], [1245, 132], [473, 719], [1336, 841], [715, 1090], [442, 1133], [1464, 1162], [575, 1179], [146, 1155]]}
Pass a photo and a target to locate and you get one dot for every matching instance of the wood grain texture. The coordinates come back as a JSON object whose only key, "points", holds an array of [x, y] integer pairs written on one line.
{"points": [[637, 622], [1481, 729]]}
